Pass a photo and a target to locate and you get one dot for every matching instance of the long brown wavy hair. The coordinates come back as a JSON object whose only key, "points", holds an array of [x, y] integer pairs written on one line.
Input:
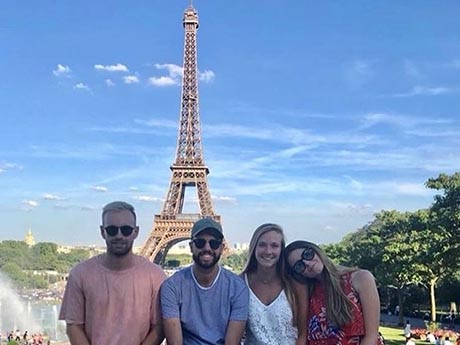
{"points": [[251, 263], [339, 309]]}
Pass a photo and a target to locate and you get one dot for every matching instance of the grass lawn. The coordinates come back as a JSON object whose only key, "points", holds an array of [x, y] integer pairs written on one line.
{"points": [[395, 336]]}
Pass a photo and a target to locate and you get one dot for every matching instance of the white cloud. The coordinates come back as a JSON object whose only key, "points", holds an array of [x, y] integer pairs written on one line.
{"points": [[426, 91], [432, 133], [356, 208], [276, 133], [206, 76], [147, 198], [161, 123], [52, 197], [175, 74], [82, 86], [405, 121], [355, 184], [4, 167], [30, 203], [100, 189], [162, 81], [361, 67], [61, 70], [410, 68], [228, 199], [174, 71], [412, 189], [112, 68], [89, 208], [131, 79], [109, 82], [358, 73]]}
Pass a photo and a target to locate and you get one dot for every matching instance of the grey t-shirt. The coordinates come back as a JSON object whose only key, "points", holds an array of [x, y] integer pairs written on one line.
{"points": [[204, 312]]}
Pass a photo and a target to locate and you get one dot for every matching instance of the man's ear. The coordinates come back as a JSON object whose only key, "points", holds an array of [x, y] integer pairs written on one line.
{"points": [[103, 234], [136, 232]]}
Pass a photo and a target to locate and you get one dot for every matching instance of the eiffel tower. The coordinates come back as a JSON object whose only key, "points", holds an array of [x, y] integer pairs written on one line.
{"points": [[189, 169]]}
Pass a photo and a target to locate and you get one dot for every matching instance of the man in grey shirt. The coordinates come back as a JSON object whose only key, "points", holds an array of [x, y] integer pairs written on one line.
{"points": [[204, 304]]}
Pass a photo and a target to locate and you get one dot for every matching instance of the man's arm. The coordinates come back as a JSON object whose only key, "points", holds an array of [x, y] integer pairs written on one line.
{"points": [[77, 334], [173, 331], [73, 308], [155, 336], [235, 330], [238, 315], [172, 326]]}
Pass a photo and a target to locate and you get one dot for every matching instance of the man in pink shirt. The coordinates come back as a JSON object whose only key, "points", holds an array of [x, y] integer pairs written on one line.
{"points": [[113, 298]]}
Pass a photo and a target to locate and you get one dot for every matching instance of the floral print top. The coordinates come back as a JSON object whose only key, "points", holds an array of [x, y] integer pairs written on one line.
{"points": [[321, 332]]}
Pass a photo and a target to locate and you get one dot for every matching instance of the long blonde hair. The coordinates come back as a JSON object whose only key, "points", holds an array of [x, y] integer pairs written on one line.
{"points": [[339, 309], [251, 263]]}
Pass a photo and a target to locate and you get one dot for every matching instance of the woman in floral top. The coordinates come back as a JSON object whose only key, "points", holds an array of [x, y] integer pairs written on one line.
{"points": [[344, 305]]}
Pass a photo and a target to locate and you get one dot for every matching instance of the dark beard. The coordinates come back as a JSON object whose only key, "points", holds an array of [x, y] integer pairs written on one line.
{"points": [[196, 259], [113, 249]]}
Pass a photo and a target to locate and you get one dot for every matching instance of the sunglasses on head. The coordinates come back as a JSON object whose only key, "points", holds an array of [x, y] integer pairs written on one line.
{"points": [[112, 230], [201, 242], [307, 255]]}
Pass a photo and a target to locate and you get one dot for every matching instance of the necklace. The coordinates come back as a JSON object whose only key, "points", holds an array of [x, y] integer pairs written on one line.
{"points": [[264, 279], [267, 281]]}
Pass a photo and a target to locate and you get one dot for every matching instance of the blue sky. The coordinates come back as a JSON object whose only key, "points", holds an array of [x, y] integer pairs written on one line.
{"points": [[314, 115]]}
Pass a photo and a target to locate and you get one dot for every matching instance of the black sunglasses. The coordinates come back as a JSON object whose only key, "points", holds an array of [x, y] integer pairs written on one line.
{"points": [[112, 230], [201, 242], [308, 254]]}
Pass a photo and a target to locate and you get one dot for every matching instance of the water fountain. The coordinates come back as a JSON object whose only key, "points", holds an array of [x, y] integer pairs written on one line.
{"points": [[13, 312], [35, 317]]}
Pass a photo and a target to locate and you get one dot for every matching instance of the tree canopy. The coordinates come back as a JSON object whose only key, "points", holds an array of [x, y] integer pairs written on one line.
{"points": [[17, 260]]}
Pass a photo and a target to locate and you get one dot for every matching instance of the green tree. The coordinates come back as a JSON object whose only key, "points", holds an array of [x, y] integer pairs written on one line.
{"points": [[387, 247], [45, 256], [67, 260], [14, 272], [17, 260], [15, 252], [337, 252], [236, 261], [441, 247]]}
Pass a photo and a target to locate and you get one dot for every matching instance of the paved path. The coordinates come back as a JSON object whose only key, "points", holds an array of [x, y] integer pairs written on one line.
{"points": [[415, 322]]}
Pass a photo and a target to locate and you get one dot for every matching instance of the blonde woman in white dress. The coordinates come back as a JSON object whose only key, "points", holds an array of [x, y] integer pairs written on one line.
{"points": [[275, 316]]}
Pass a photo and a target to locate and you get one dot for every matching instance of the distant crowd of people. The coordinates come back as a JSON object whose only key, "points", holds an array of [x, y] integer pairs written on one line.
{"points": [[430, 337], [286, 294], [24, 338]]}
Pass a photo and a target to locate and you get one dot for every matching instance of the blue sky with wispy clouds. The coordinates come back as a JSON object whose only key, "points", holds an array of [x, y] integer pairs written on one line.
{"points": [[314, 115]]}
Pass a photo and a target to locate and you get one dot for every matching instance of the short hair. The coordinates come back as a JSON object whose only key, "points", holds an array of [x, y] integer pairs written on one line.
{"points": [[117, 206]]}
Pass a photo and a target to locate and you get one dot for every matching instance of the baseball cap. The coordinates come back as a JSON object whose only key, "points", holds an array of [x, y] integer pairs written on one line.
{"points": [[208, 224]]}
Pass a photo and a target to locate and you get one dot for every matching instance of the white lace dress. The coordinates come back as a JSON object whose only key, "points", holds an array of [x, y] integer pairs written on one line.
{"points": [[269, 324]]}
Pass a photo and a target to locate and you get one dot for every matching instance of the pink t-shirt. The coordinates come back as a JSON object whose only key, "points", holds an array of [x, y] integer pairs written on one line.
{"points": [[116, 307]]}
